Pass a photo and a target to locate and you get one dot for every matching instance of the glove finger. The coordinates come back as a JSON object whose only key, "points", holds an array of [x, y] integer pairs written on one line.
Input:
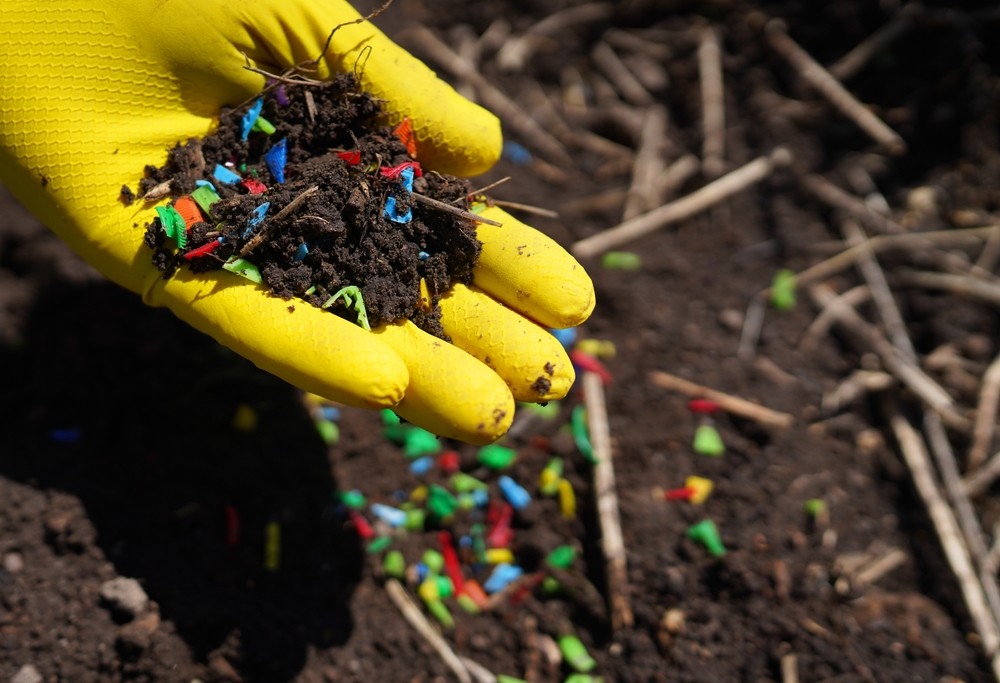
{"points": [[307, 347], [450, 393], [453, 135], [530, 360], [531, 273]]}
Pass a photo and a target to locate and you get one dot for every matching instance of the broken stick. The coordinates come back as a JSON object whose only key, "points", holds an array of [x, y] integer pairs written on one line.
{"points": [[713, 104], [453, 210], [830, 87], [419, 622], [684, 208], [855, 60], [730, 404], [612, 540], [643, 193], [986, 415], [624, 81]]}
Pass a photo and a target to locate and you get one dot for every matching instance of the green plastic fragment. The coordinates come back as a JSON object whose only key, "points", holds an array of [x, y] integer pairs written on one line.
{"points": [[468, 604], [379, 544], [415, 520], [706, 533], [445, 586], [419, 442], [575, 653], [496, 457], [466, 483], [328, 431], [562, 557], [352, 499], [311, 291], [394, 564], [357, 303], [173, 225], [550, 586], [708, 442], [783, 290], [621, 260], [205, 196], [441, 613], [440, 502], [262, 125], [549, 411], [243, 168], [434, 561], [548, 482], [815, 507], [583, 678], [580, 434], [243, 268], [477, 207], [509, 679], [466, 501]]}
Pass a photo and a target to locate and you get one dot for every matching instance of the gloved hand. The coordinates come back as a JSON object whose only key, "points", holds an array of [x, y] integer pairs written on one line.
{"points": [[93, 90]]}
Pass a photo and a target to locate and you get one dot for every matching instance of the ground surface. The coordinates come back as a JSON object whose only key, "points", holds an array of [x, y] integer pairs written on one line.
{"points": [[141, 493]]}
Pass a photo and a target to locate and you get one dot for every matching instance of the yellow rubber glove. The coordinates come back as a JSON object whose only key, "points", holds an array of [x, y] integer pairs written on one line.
{"points": [[93, 90]]}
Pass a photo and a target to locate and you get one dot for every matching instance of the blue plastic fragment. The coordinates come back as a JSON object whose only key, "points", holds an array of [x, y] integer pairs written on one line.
{"points": [[256, 218], [566, 337], [517, 154], [340, 509], [70, 435], [330, 413], [392, 212], [422, 572], [400, 495], [251, 117], [481, 497], [393, 516], [225, 176], [502, 575], [407, 177], [302, 252], [423, 256], [276, 158], [514, 492], [465, 541], [280, 95], [422, 465], [203, 183]]}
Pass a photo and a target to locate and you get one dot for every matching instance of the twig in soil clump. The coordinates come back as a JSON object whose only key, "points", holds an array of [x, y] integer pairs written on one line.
{"points": [[955, 548], [855, 60], [612, 540], [731, 404], [713, 103], [419, 622], [684, 208], [986, 415], [512, 115], [830, 87], [311, 189]]}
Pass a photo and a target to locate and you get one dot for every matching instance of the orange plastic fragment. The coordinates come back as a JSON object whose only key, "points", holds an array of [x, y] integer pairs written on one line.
{"points": [[472, 588], [189, 211], [404, 131]]}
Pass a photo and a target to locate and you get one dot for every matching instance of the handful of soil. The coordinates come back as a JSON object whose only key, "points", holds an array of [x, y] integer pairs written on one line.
{"points": [[308, 195]]}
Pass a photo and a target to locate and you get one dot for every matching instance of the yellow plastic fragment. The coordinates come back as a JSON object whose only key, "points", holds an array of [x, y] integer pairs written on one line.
{"points": [[245, 418], [272, 547], [425, 296], [419, 494], [499, 556], [600, 348], [702, 488], [567, 499]]}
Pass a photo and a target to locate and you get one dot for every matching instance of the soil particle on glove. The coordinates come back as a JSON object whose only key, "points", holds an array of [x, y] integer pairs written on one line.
{"points": [[353, 222]]}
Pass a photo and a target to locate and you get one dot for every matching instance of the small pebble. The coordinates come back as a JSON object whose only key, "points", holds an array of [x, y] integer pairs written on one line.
{"points": [[27, 674], [125, 595], [13, 562]]}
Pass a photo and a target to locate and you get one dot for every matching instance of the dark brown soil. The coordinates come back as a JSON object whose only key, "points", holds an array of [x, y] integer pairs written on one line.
{"points": [[341, 226], [143, 491]]}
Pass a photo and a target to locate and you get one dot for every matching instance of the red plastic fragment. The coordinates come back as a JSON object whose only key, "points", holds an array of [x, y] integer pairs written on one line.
{"points": [[404, 131], [394, 171], [501, 534], [542, 443], [588, 363], [202, 250], [365, 530], [189, 211], [352, 158], [451, 564], [684, 493], [448, 462], [522, 592], [703, 405], [254, 185], [232, 526]]}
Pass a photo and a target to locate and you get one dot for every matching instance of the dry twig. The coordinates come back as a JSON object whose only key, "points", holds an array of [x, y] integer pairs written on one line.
{"points": [[789, 668], [713, 104], [265, 229], [962, 285], [527, 208], [453, 210], [986, 414], [819, 327], [517, 50], [831, 88], [681, 209], [855, 60], [730, 404], [644, 194], [624, 81], [419, 622], [612, 540]]}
